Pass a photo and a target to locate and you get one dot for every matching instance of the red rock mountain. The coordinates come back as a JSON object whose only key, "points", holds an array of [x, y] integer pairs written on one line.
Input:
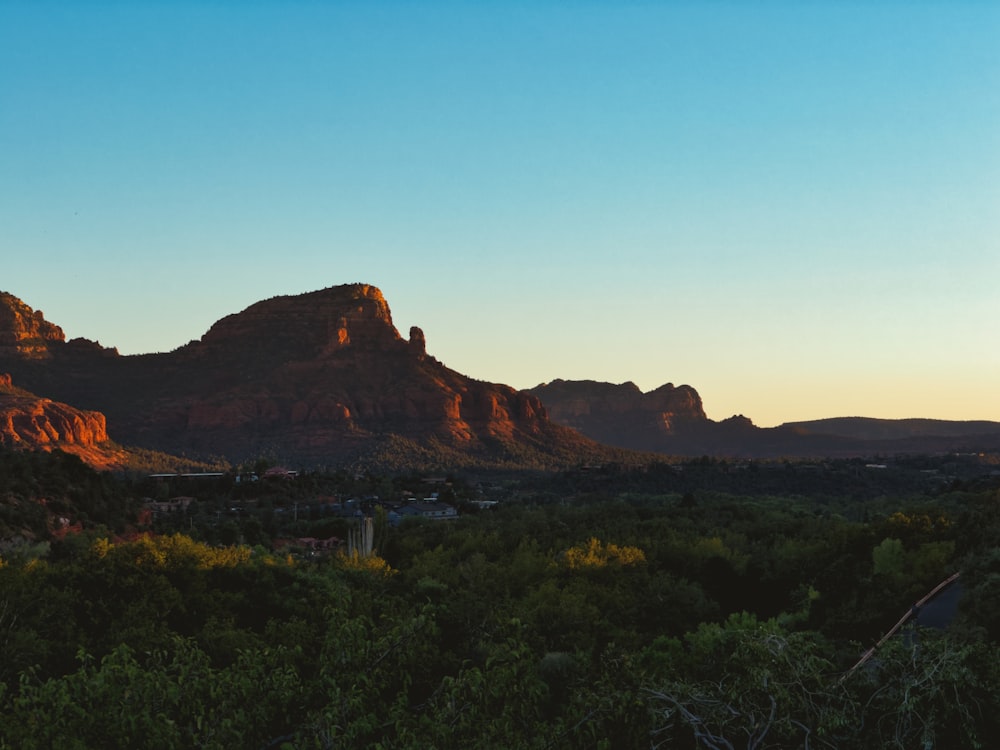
{"points": [[318, 378], [325, 378]]}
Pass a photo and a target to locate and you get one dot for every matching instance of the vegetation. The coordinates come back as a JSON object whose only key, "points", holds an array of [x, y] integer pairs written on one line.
{"points": [[700, 605]]}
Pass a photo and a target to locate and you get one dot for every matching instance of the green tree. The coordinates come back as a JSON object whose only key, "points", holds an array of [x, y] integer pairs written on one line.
{"points": [[173, 698], [889, 558], [747, 683]]}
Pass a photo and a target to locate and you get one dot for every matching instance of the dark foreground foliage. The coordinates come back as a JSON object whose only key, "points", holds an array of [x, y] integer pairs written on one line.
{"points": [[616, 610]]}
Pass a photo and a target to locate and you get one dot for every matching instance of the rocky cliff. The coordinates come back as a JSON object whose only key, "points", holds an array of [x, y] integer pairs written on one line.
{"points": [[24, 331], [318, 378], [623, 415], [28, 421]]}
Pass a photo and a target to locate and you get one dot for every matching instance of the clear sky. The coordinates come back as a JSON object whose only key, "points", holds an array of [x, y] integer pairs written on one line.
{"points": [[793, 207]]}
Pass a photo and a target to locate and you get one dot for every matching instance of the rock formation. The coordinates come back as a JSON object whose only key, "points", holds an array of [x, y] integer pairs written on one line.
{"points": [[317, 377], [30, 422], [25, 331], [622, 415], [671, 420], [417, 340], [325, 378]]}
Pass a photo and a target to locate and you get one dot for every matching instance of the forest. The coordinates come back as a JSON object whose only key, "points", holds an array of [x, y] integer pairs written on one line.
{"points": [[701, 604]]}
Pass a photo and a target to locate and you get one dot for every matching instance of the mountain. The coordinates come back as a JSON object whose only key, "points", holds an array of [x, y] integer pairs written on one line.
{"points": [[669, 419], [623, 415], [672, 420], [317, 378], [324, 378]]}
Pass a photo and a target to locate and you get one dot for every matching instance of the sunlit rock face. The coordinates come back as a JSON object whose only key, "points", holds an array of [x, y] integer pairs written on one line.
{"points": [[30, 422], [314, 377], [25, 331], [308, 325]]}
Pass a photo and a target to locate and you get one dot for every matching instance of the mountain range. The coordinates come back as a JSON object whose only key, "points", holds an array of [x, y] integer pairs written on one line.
{"points": [[320, 378], [324, 378]]}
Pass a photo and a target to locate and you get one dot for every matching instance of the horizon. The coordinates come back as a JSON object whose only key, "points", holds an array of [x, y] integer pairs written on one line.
{"points": [[794, 209], [829, 417]]}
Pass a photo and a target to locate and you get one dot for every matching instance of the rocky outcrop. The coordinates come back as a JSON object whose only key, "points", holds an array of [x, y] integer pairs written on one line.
{"points": [[28, 421], [307, 325], [623, 415], [316, 377], [24, 331], [417, 340]]}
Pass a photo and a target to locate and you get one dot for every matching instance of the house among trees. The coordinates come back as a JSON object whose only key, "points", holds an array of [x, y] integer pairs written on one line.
{"points": [[280, 472], [422, 509], [174, 504]]}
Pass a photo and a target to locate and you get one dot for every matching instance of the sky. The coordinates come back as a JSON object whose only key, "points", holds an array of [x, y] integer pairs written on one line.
{"points": [[793, 207]]}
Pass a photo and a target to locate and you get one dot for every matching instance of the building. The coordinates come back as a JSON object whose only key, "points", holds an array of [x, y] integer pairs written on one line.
{"points": [[432, 510]]}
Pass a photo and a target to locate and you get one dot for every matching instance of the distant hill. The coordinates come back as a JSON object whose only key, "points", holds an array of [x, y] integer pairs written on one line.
{"points": [[321, 378], [671, 420], [867, 428]]}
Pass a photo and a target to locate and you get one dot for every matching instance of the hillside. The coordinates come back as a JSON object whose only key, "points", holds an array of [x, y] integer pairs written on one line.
{"points": [[866, 428]]}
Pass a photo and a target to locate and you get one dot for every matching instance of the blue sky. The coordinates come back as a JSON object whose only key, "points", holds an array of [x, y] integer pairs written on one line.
{"points": [[792, 207]]}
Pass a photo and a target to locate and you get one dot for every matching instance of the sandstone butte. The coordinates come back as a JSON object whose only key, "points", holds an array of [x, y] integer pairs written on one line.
{"points": [[622, 414], [316, 378]]}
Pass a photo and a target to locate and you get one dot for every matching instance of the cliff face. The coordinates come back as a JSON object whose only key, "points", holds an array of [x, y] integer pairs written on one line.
{"points": [[623, 415], [315, 377], [28, 421], [24, 331], [308, 325]]}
